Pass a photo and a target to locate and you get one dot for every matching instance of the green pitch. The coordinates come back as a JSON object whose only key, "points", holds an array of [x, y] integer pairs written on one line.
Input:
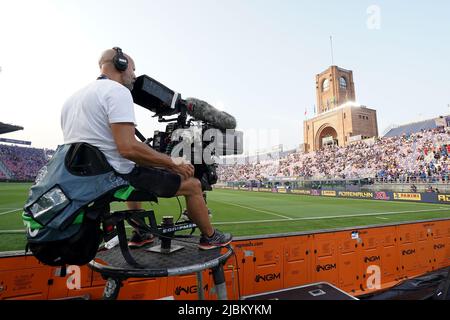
{"points": [[244, 213]]}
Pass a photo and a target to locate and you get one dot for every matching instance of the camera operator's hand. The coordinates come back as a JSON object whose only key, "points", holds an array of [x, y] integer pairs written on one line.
{"points": [[185, 170]]}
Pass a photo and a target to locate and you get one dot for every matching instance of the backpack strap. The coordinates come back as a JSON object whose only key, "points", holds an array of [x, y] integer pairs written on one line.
{"points": [[123, 243]]}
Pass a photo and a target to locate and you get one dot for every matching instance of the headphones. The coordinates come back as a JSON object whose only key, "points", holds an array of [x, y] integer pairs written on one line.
{"points": [[119, 60]]}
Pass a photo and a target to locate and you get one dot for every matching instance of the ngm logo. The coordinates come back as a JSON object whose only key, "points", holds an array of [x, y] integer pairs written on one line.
{"points": [[372, 259], [189, 290], [408, 252], [327, 267], [268, 277]]}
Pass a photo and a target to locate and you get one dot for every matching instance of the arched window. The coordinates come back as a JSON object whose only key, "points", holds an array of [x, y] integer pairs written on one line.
{"points": [[343, 83], [326, 85]]}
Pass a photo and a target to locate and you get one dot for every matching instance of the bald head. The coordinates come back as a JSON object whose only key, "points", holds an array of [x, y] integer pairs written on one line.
{"points": [[107, 57], [106, 64]]}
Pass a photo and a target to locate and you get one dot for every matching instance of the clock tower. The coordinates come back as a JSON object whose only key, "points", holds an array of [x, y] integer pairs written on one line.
{"points": [[340, 121], [334, 87]]}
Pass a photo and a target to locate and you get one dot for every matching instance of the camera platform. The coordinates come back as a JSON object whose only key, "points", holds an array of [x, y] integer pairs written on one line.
{"points": [[113, 267]]}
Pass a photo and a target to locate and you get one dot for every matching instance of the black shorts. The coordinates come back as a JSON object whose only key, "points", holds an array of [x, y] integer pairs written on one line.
{"points": [[162, 183]]}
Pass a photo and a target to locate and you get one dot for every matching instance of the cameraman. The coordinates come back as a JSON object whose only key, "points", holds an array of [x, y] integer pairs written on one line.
{"points": [[102, 114]]}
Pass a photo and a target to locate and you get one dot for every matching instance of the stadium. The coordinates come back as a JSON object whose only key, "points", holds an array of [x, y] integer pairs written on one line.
{"points": [[348, 213], [299, 217]]}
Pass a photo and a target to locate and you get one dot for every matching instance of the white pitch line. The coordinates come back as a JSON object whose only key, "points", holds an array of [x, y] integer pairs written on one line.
{"points": [[249, 222], [8, 212], [325, 218], [257, 210], [285, 220], [374, 214]]}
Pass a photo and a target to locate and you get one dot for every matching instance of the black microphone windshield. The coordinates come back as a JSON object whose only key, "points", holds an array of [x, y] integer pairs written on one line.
{"points": [[203, 111]]}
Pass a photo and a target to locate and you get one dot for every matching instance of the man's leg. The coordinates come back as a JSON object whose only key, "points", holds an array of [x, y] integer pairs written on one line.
{"points": [[139, 237], [185, 216], [198, 212], [191, 189], [165, 184]]}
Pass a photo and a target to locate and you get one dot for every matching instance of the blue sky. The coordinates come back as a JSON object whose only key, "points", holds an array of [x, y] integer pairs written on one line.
{"points": [[254, 59]]}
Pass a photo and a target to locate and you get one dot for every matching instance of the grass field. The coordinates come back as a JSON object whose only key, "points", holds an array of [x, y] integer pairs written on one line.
{"points": [[244, 214]]}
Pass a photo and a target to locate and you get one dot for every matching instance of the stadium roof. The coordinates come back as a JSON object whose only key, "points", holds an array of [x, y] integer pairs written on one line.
{"points": [[412, 128], [7, 128]]}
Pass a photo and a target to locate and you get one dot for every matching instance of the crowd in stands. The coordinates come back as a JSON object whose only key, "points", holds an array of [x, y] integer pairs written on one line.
{"points": [[23, 163], [419, 157]]}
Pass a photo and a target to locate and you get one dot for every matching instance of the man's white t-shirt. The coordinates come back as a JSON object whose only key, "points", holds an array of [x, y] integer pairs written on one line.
{"points": [[88, 114]]}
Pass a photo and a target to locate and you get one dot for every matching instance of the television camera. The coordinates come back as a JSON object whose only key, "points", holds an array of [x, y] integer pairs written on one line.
{"points": [[198, 133]]}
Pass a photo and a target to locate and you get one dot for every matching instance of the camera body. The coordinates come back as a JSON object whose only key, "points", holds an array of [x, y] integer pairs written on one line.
{"points": [[193, 138], [205, 169]]}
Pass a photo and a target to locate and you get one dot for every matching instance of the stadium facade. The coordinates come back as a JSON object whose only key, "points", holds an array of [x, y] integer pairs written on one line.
{"points": [[340, 120]]}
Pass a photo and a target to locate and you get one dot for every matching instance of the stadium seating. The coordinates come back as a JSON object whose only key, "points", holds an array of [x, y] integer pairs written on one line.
{"points": [[418, 157], [24, 163], [422, 157]]}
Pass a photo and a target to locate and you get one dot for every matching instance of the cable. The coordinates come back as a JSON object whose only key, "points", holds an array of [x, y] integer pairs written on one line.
{"points": [[181, 210], [181, 214], [238, 277]]}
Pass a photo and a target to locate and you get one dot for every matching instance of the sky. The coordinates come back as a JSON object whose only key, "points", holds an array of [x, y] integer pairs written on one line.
{"points": [[254, 59]]}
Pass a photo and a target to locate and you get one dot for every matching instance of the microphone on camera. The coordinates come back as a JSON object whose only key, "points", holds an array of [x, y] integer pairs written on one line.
{"points": [[203, 111], [158, 98]]}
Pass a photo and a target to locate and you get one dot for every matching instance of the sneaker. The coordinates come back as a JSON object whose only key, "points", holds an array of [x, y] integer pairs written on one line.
{"points": [[139, 240], [219, 239]]}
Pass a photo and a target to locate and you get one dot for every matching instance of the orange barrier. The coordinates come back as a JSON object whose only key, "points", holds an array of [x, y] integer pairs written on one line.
{"points": [[358, 261]]}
